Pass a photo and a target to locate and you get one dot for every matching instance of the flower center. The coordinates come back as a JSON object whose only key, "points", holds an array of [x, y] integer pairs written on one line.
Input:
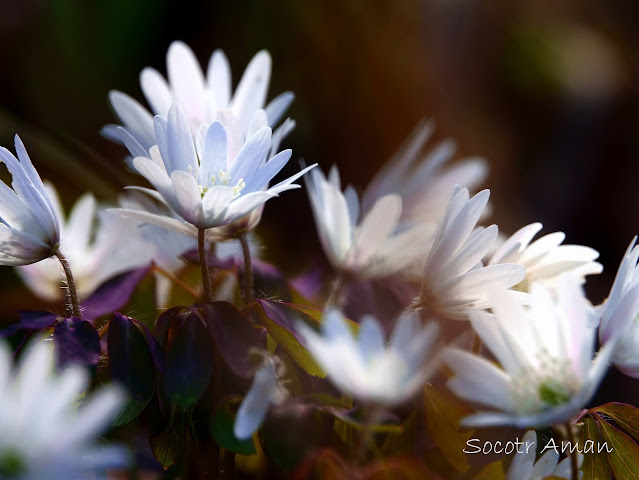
{"points": [[223, 178]]}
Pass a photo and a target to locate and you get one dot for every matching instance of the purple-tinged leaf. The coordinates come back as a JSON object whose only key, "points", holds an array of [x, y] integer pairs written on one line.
{"points": [[234, 334], [131, 365], [626, 416], [189, 360], [168, 447], [30, 320], [310, 283], [113, 294], [595, 465], [624, 457], [76, 342], [161, 330]]}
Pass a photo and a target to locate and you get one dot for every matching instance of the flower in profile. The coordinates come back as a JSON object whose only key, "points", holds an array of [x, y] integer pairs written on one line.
{"points": [[454, 280], [365, 367], [206, 182], [545, 372], [44, 435], [267, 389], [368, 246], [424, 181], [29, 227], [620, 311], [204, 99], [546, 259], [524, 467]]}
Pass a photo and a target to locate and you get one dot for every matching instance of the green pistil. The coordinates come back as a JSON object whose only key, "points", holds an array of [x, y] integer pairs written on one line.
{"points": [[552, 394], [12, 464]]}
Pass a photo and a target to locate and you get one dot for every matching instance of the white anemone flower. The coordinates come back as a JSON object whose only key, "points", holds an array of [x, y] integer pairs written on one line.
{"points": [[524, 467], [267, 389], [454, 280], [29, 227], [545, 372], [619, 314], [365, 367], [204, 99], [546, 259], [424, 181], [204, 181], [367, 246], [44, 435]]}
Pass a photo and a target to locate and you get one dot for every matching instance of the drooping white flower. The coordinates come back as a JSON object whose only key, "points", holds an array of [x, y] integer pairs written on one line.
{"points": [[546, 259], [267, 389], [368, 246], [619, 314], [44, 435], [204, 181], [545, 372], [365, 367], [424, 181], [454, 280], [203, 99], [29, 227], [524, 467]]}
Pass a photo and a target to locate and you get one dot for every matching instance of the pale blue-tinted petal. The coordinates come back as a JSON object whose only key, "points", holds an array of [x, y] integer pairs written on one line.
{"points": [[353, 204], [134, 116], [180, 144], [256, 403], [131, 143], [163, 221], [251, 155], [250, 93], [187, 80], [214, 159], [218, 78], [276, 107], [215, 204], [371, 338], [188, 201], [156, 177], [246, 204], [279, 134], [258, 120], [156, 91], [267, 171]]}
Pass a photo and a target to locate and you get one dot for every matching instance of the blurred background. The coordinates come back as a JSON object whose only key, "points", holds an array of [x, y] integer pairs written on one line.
{"points": [[546, 91]]}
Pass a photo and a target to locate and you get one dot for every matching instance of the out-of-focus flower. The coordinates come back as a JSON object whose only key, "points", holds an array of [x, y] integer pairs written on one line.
{"points": [[44, 435], [619, 314], [524, 467], [422, 180], [204, 100], [29, 227], [454, 280], [545, 372], [365, 367], [368, 246], [546, 259], [205, 183], [267, 389]]}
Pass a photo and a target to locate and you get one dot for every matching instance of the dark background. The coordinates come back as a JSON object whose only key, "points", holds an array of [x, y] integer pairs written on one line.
{"points": [[546, 91]]}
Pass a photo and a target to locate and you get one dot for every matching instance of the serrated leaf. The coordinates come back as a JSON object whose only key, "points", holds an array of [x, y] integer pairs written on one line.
{"points": [[131, 364], [626, 416], [595, 465], [443, 413], [222, 424], [76, 342], [624, 458]]}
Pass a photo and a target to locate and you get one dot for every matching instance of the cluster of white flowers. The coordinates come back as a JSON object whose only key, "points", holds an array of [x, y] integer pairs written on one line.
{"points": [[210, 157]]}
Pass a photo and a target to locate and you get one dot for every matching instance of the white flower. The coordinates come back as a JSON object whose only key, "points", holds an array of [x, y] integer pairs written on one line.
{"points": [[619, 314], [545, 372], [203, 182], [29, 228], [454, 280], [546, 259], [423, 181], [44, 435], [368, 245], [204, 100], [266, 390], [366, 367], [524, 467]]}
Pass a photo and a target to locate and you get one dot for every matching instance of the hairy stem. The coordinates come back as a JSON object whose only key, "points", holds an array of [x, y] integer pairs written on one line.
{"points": [[204, 267], [248, 270], [366, 434], [73, 306], [574, 456]]}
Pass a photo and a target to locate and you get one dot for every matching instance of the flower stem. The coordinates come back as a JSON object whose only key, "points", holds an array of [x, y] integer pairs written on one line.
{"points": [[204, 266], [248, 270], [574, 459], [187, 288], [73, 306], [334, 299], [361, 450]]}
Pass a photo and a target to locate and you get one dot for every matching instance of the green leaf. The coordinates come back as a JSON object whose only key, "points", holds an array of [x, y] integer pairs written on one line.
{"points": [[169, 446], [222, 430], [626, 416], [595, 465], [624, 459], [443, 413], [131, 365]]}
